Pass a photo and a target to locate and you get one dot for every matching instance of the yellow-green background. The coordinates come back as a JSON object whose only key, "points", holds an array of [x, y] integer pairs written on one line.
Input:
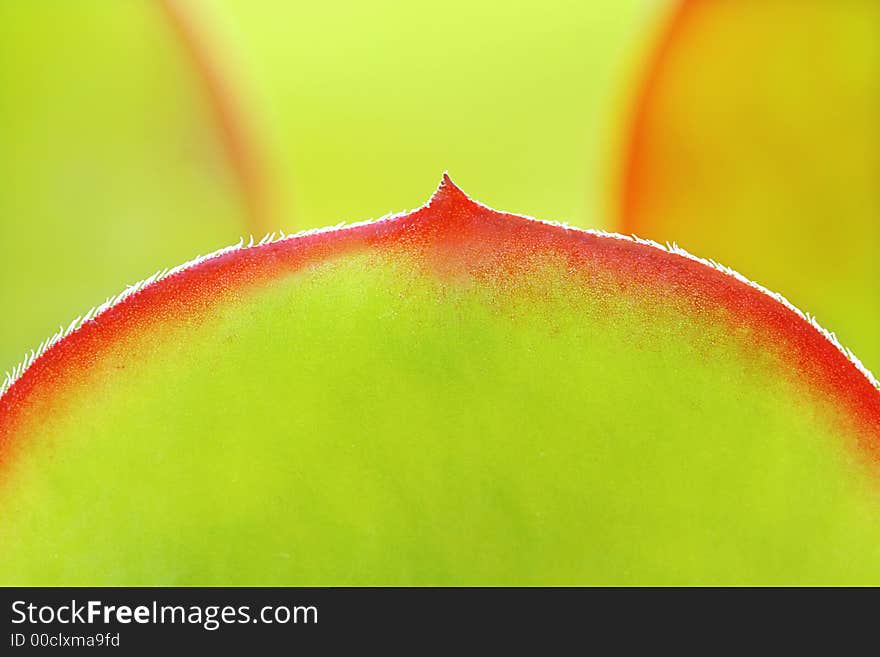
{"points": [[112, 165]]}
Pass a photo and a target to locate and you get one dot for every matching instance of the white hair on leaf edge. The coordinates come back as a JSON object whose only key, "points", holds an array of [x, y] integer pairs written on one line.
{"points": [[270, 238]]}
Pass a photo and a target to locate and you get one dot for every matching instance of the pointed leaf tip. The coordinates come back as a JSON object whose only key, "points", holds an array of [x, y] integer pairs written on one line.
{"points": [[447, 190]]}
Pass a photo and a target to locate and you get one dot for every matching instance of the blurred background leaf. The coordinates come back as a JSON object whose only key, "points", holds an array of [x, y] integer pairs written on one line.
{"points": [[757, 143], [111, 164]]}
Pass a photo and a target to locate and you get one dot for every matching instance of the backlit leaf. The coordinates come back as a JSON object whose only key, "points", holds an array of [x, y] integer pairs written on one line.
{"points": [[451, 396]]}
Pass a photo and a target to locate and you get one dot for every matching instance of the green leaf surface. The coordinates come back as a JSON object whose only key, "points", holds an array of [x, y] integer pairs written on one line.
{"points": [[452, 396]]}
